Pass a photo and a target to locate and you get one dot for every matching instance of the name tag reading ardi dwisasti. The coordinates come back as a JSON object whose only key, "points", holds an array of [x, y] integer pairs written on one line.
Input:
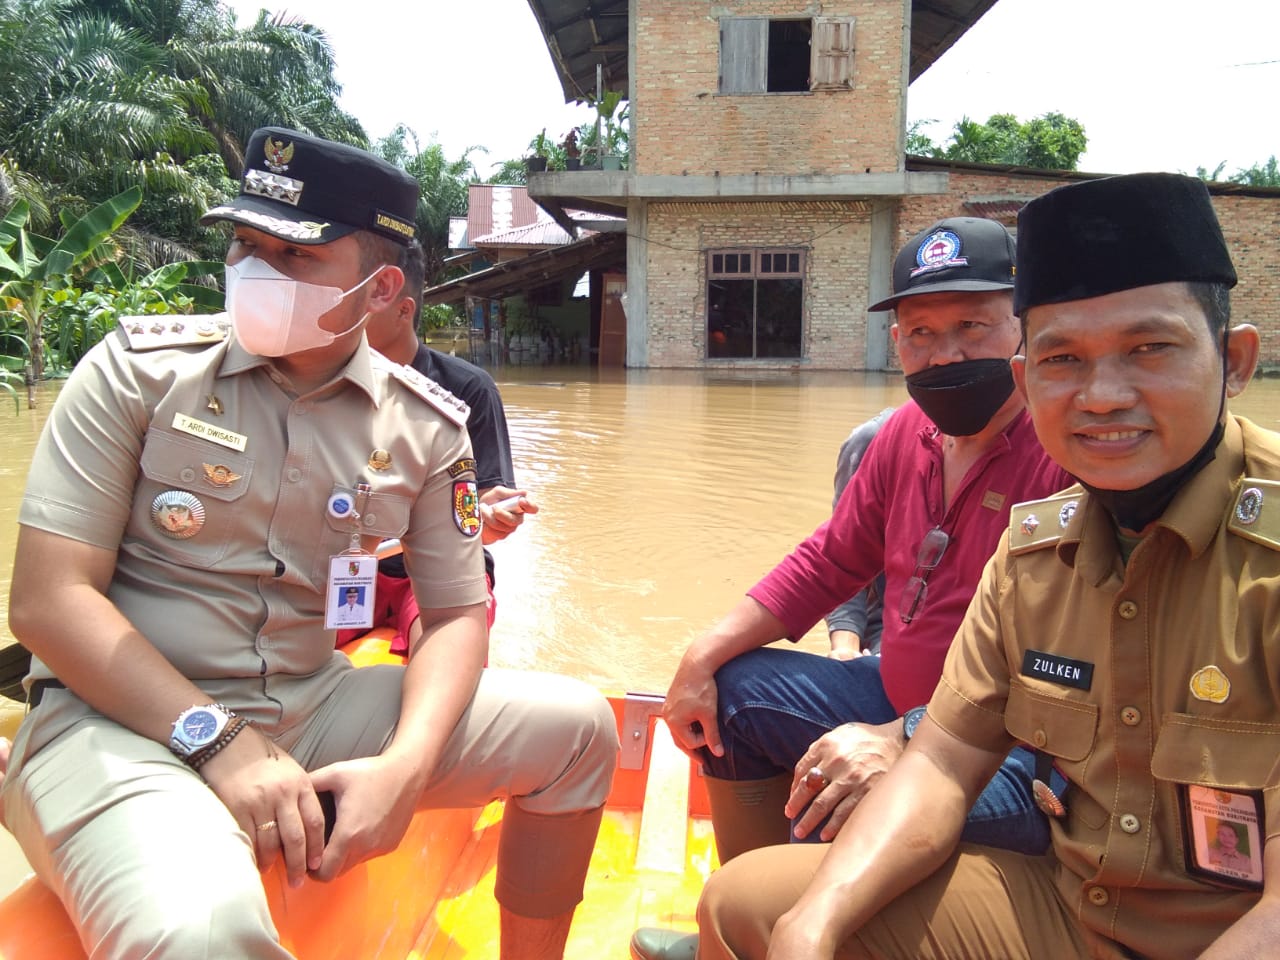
{"points": [[198, 428]]}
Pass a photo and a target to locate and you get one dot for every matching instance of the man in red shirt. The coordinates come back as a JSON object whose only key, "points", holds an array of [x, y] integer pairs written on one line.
{"points": [[785, 734]]}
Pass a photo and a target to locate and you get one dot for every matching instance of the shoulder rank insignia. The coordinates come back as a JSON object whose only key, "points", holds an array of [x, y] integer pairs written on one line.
{"points": [[1040, 523], [176, 330], [441, 399], [1255, 513]]}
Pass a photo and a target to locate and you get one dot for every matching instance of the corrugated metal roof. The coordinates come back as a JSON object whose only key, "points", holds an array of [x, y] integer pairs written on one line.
{"points": [[495, 207], [545, 234]]}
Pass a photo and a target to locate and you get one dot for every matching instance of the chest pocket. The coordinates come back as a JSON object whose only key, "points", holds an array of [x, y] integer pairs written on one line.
{"points": [[1212, 752], [1063, 728], [205, 470], [385, 517]]}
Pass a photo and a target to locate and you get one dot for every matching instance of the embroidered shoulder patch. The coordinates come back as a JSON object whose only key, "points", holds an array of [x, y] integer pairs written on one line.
{"points": [[173, 330], [1255, 513], [466, 507], [459, 467]]}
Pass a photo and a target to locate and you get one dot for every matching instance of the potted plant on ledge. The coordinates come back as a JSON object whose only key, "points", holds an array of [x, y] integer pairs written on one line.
{"points": [[537, 161]]}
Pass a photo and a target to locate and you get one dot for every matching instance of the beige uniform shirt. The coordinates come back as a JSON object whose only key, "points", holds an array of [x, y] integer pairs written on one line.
{"points": [[238, 605], [1137, 679]]}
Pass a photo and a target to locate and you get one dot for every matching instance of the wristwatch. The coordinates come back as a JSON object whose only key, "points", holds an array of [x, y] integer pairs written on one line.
{"points": [[910, 720], [197, 727]]}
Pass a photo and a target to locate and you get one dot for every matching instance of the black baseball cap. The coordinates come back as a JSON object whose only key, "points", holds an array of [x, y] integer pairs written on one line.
{"points": [[313, 191], [958, 254], [1102, 236]]}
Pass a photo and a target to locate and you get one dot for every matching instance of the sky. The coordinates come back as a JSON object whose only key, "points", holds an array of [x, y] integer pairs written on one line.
{"points": [[1158, 84]]}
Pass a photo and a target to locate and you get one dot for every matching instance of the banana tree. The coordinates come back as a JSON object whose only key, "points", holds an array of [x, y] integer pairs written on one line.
{"points": [[31, 266]]}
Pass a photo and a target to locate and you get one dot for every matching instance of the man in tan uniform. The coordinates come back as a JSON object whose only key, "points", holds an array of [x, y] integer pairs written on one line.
{"points": [[188, 706], [1129, 630]]}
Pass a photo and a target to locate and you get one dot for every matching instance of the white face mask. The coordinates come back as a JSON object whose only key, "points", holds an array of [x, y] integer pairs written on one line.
{"points": [[277, 316]]}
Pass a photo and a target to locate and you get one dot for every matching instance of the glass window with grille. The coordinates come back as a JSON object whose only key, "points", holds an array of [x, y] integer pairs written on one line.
{"points": [[755, 303]]}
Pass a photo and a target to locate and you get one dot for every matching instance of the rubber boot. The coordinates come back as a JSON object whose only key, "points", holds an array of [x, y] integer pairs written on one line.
{"points": [[655, 943], [747, 814]]}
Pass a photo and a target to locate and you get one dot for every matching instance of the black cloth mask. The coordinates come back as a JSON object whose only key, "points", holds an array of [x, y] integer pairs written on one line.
{"points": [[961, 398], [1134, 509]]}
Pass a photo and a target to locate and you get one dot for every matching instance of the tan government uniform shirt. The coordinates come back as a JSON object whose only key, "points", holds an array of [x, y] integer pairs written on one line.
{"points": [[238, 605], [1137, 679]]}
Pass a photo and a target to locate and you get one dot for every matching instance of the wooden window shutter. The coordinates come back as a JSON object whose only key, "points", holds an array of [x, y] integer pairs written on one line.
{"points": [[744, 59], [831, 66]]}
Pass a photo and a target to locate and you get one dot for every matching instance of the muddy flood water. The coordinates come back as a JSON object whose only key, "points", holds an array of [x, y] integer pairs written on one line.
{"points": [[664, 496]]}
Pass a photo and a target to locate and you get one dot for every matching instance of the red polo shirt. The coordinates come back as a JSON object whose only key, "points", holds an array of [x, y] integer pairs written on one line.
{"points": [[893, 500]]}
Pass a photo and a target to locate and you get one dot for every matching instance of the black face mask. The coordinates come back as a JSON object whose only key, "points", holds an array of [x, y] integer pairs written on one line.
{"points": [[1134, 509], [961, 398]]}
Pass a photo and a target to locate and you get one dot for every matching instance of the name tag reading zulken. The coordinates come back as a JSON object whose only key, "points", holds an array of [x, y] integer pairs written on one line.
{"points": [[198, 428], [1063, 670]]}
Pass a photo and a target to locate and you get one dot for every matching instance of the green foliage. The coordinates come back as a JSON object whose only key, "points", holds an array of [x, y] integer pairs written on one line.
{"points": [[1265, 174], [1049, 142], [79, 318], [437, 316], [444, 184], [101, 95], [33, 267]]}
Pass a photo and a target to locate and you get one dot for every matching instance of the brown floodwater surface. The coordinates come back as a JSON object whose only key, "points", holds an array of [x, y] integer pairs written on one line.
{"points": [[664, 494]]}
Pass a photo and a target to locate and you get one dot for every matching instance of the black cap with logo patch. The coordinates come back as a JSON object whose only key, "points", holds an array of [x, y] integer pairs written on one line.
{"points": [[313, 191], [958, 254]]}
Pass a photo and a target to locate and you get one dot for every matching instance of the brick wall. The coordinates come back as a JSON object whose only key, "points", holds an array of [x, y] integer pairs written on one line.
{"points": [[1250, 224], [835, 237], [681, 124]]}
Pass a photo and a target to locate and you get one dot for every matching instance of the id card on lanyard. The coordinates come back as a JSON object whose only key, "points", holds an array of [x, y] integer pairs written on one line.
{"points": [[353, 577]]}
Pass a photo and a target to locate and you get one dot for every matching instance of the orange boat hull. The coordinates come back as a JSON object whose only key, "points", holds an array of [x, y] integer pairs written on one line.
{"points": [[433, 897]]}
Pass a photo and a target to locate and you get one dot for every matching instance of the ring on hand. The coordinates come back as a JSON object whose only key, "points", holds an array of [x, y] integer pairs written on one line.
{"points": [[816, 780], [269, 825]]}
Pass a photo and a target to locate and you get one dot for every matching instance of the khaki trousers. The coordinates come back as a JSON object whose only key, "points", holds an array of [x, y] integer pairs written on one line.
{"points": [[148, 861], [982, 904]]}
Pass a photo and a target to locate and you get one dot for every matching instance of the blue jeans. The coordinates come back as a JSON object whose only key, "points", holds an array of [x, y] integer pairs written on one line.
{"points": [[775, 703]]}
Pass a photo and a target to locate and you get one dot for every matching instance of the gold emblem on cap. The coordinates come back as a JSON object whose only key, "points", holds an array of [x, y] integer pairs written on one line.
{"points": [[220, 475], [1210, 684], [177, 514], [380, 460], [278, 154]]}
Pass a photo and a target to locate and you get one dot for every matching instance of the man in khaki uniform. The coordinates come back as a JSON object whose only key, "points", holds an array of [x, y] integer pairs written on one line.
{"points": [[188, 706], [1127, 629]]}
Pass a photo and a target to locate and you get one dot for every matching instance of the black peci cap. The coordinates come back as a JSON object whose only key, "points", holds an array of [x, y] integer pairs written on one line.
{"points": [[313, 191], [959, 254], [1103, 236]]}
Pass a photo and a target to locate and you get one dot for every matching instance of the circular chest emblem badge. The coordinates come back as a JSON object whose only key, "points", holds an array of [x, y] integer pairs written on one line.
{"points": [[177, 514]]}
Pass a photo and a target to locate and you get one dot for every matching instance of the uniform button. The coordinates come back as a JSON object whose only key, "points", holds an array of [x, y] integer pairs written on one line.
{"points": [[1098, 896], [1130, 824], [1039, 738], [1130, 716], [1128, 609], [370, 519], [187, 475], [294, 474]]}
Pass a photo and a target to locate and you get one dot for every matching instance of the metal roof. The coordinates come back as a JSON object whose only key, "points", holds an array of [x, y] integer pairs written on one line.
{"points": [[583, 33]]}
